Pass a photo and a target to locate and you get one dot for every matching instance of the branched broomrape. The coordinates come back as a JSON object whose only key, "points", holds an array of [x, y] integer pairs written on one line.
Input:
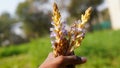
{"points": [[65, 41]]}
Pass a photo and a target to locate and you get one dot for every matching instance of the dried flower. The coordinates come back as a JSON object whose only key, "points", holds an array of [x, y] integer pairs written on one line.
{"points": [[65, 41]]}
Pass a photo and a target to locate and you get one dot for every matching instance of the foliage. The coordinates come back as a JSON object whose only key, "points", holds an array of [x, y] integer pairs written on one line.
{"points": [[101, 48], [35, 21], [5, 25], [77, 7], [12, 50]]}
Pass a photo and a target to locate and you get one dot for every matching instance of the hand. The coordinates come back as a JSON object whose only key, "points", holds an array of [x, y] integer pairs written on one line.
{"points": [[62, 61]]}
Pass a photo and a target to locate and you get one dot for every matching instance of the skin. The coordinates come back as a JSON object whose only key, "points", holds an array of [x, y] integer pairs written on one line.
{"points": [[62, 61]]}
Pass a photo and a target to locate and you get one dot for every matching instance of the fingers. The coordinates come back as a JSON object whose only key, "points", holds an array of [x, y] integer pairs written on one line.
{"points": [[71, 53], [66, 60], [73, 60]]}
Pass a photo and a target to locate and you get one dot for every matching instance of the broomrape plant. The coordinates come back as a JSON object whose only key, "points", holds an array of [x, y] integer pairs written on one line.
{"points": [[65, 41]]}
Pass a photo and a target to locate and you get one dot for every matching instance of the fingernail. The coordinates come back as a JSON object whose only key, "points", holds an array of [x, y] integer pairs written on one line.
{"points": [[83, 59]]}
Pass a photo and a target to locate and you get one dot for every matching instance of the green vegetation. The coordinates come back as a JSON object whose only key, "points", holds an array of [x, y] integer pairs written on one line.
{"points": [[101, 48], [36, 22]]}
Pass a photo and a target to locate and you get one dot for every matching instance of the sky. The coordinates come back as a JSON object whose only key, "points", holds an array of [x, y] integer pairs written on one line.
{"points": [[9, 6], [103, 6]]}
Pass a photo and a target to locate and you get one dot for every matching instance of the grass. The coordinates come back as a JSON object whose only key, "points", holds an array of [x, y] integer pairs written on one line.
{"points": [[101, 49]]}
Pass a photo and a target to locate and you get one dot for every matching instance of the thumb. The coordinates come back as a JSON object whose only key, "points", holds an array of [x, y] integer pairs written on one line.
{"points": [[74, 60]]}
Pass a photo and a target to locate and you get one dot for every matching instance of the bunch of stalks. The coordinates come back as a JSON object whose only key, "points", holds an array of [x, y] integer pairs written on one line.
{"points": [[64, 41]]}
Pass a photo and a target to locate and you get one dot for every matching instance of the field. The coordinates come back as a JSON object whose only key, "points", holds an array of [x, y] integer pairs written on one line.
{"points": [[102, 49]]}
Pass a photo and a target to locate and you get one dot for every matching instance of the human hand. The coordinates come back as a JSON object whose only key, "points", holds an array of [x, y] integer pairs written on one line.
{"points": [[62, 61]]}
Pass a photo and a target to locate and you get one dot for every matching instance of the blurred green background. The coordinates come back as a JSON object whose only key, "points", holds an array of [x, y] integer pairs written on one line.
{"points": [[24, 33]]}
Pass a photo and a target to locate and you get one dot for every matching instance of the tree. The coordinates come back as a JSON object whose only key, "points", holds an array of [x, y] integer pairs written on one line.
{"points": [[78, 7], [35, 21], [5, 25]]}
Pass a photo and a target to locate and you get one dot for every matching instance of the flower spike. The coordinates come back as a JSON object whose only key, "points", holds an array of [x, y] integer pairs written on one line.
{"points": [[65, 41]]}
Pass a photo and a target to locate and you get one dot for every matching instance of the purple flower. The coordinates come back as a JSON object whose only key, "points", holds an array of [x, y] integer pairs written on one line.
{"points": [[51, 29], [79, 21], [79, 29], [53, 34], [73, 37], [82, 35], [52, 23], [83, 30], [65, 32], [73, 28], [64, 22], [53, 43]]}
